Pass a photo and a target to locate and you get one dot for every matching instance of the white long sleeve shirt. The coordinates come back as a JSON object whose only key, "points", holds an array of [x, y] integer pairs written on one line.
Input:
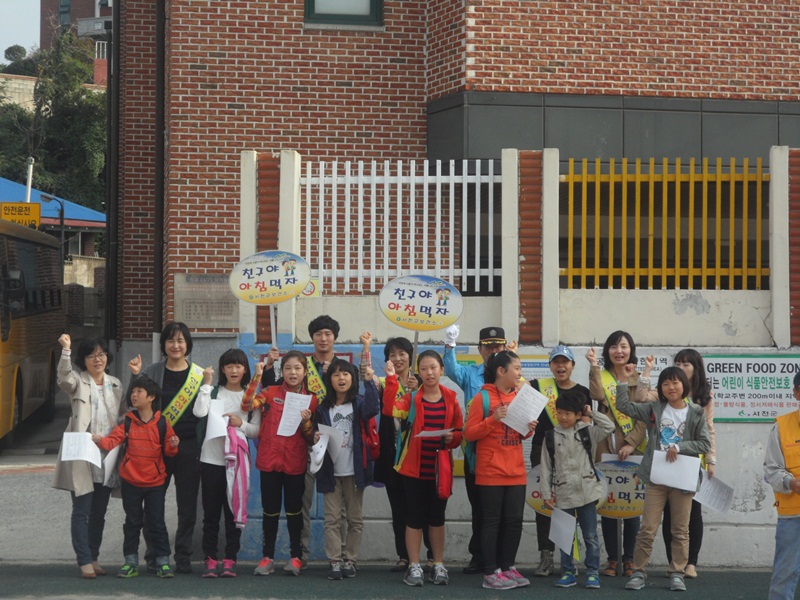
{"points": [[213, 451]]}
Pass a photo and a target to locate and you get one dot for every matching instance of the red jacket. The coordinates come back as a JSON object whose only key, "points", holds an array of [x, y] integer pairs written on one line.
{"points": [[498, 452], [408, 464], [275, 452], [143, 463]]}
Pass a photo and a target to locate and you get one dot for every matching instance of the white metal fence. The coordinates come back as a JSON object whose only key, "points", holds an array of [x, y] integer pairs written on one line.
{"points": [[365, 223]]}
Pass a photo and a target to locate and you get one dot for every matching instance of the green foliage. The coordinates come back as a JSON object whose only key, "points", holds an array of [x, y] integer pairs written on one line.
{"points": [[66, 131], [15, 53]]}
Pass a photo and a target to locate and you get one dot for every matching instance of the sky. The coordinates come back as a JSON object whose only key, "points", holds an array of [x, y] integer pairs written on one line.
{"points": [[19, 24]]}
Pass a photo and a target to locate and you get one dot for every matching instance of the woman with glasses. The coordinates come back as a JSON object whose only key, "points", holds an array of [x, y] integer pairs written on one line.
{"points": [[95, 398]]}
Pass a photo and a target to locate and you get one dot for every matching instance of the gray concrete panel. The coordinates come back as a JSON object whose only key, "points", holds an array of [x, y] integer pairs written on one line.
{"points": [[789, 131], [492, 128], [739, 135], [658, 134], [584, 132], [446, 134]]}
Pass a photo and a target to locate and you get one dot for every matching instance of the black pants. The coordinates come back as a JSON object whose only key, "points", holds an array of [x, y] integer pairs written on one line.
{"points": [[274, 487], [185, 468], [142, 503], [695, 532], [630, 528], [399, 507], [215, 505], [475, 502], [502, 520]]}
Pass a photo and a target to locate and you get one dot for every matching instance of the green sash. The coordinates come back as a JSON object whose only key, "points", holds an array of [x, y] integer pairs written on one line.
{"points": [[624, 421], [549, 388], [315, 384], [185, 395]]}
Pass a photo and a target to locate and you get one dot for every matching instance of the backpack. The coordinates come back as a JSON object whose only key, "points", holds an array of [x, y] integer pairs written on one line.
{"points": [[162, 434], [470, 447], [586, 440], [370, 441]]}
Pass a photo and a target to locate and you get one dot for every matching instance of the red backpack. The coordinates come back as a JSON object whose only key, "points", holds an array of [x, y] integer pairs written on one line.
{"points": [[370, 442]]}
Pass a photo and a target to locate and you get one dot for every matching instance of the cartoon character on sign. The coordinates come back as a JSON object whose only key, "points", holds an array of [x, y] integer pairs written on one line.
{"points": [[442, 295]]}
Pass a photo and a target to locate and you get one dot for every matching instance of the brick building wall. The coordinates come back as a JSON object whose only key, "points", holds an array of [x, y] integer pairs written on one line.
{"points": [[530, 246], [686, 48], [446, 43]]}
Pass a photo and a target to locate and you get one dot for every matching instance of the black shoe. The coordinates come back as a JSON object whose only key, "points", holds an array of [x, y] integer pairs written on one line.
{"points": [[473, 567], [152, 567], [183, 566]]}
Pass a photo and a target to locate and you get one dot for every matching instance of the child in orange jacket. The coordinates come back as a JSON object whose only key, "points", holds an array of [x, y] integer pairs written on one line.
{"points": [[148, 437], [500, 474]]}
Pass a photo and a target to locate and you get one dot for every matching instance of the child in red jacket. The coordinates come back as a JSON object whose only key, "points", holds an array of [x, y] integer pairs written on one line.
{"points": [[148, 437], [432, 408]]}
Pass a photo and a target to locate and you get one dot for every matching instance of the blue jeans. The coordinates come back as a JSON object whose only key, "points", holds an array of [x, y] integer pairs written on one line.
{"points": [[785, 573], [587, 520], [88, 521]]}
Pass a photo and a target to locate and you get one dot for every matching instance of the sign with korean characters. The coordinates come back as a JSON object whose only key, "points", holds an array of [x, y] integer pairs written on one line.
{"points": [[625, 496], [533, 494], [752, 388], [269, 277], [28, 214], [421, 303]]}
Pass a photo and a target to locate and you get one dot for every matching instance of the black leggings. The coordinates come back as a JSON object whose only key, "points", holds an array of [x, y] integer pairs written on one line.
{"points": [[275, 485], [695, 532], [502, 519], [215, 504]]}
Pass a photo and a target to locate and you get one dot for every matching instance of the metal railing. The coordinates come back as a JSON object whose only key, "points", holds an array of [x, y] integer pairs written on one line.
{"points": [[365, 223], [664, 226]]}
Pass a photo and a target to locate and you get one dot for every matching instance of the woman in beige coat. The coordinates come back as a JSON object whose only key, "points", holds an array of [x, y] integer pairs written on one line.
{"points": [[95, 399]]}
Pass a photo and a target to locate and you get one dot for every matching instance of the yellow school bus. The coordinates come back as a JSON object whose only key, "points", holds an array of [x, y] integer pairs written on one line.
{"points": [[31, 319]]}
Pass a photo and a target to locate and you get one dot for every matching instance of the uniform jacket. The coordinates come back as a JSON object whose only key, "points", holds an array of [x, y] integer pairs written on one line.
{"points": [[143, 463], [76, 475]]}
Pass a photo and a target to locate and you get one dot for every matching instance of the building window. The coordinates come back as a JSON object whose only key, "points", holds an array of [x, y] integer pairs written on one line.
{"points": [[349, 12], [63, 11]]}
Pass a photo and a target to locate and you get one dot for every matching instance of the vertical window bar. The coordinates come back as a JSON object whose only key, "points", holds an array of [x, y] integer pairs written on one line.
{"points": [[677, 223], [732, 227], [413, 219], [718, 227], [745, 223], [651, 231], [334, 225], [362, 226], [704, 228], [386, 212], [347, 229], [452, 215], [759, 222], [490, 236], [307, 241], [321, 221], [373, 247], [477, 181], [399, 221], [425, 223], [664, 222], [438, 218], [464, 225], [624, 225], [596, 180], [584, 219], [611, 217], [570, 223], [692, 227]]}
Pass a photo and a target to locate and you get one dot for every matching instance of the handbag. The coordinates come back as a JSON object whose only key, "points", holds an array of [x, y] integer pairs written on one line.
{"points": [[444, 473]]}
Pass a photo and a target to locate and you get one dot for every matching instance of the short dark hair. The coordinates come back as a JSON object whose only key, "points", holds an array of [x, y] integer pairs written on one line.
{"points": [[612, 340], [571, 401], [234, 356], [494, 361], [670, 374], [170, 331], [150, 387], [430, 354], [339, 364], [324, 322], [294, 354], [400, 343], [797, 379], [86, 347]]}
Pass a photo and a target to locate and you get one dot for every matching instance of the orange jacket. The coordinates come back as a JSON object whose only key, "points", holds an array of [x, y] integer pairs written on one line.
{"points": [[498, 452], [408, 464], [143, 463]]}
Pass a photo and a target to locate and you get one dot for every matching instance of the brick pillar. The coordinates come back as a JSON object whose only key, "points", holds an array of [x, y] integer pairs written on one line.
{"points": [[269, 185], [530, 246], [794, 245]]}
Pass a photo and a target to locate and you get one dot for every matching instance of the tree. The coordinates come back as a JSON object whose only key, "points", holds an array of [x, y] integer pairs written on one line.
{"points": [[15, 53], [66, 131]]}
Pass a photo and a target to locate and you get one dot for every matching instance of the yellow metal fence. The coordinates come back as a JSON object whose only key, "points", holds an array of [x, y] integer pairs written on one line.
{"points": [[667, 225]]}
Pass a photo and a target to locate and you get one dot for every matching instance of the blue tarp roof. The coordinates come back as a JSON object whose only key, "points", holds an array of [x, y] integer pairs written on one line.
{"points": [[11, 191]]}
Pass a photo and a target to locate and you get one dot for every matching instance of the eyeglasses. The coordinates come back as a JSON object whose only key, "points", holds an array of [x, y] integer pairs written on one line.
{"points": [[98, 356]]}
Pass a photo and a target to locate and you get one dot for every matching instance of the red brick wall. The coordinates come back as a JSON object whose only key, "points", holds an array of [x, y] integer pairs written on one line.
{"points": [[690, 48], [530, 246], [269, 186], [794, 246], [446, 48], [137, 169]]}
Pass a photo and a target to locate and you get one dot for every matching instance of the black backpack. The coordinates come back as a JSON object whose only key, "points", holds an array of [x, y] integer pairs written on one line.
{"points": [[550, 443]]}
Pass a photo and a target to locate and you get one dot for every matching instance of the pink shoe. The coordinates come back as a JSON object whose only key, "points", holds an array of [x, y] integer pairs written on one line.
{"points": [[228, 568], [209, 568]]}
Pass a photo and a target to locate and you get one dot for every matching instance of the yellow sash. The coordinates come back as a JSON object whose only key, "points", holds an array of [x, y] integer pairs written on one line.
{"points": [[624, 421], [315, 384], [549, 388], [185, 395]]}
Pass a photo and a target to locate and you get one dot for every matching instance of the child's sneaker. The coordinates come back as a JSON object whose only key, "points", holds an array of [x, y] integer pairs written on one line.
{"points": [[293, 566], [414, 576], [164, 572], [209, 568], [677, 584], [128, 570], [592, 582], [335, 574], [568, 579], [636, 582], [498, 581], [348, 569], [228, 568], [516, 577], [439, 575], [265, 566]]}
